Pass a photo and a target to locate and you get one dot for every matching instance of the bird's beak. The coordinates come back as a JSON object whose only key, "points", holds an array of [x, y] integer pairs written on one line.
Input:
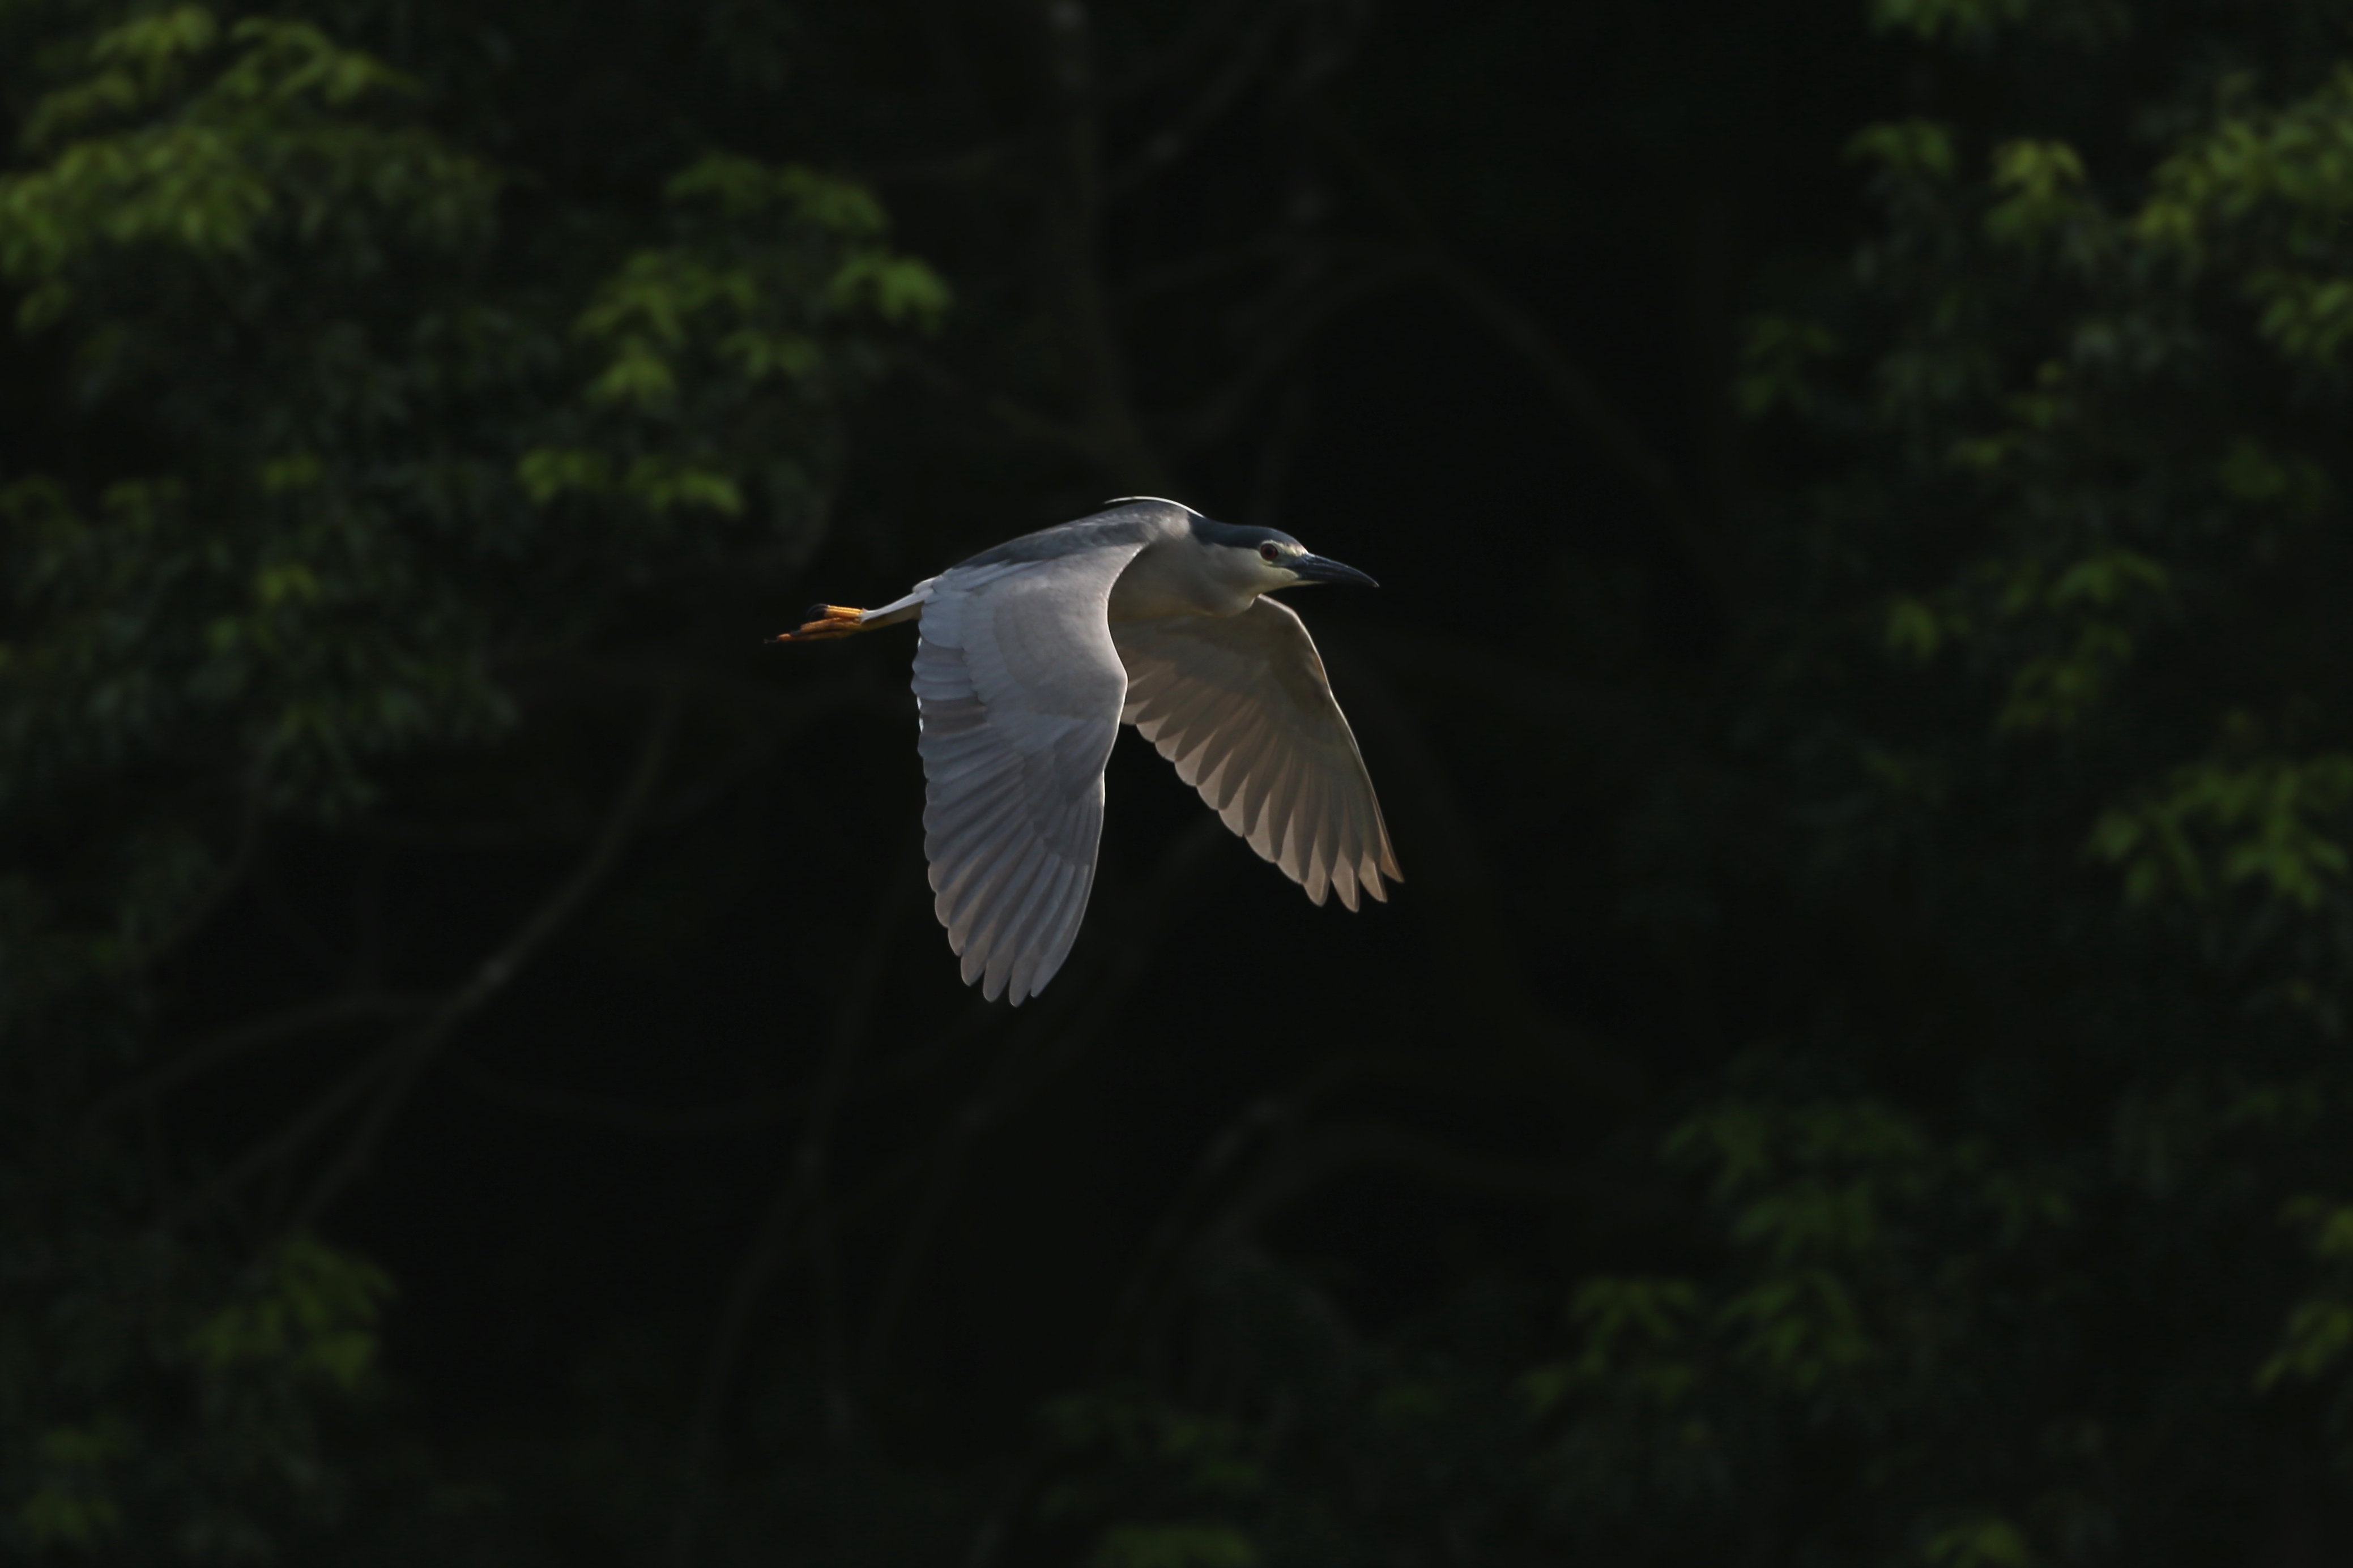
{"points": [[1316, 569]]}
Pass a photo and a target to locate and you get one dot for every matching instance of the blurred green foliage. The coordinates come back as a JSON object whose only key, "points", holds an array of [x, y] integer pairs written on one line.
{"points": [[332, 443]]}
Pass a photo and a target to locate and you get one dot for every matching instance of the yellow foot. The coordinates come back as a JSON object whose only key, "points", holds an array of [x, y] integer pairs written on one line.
{"points": [[824, 621]]}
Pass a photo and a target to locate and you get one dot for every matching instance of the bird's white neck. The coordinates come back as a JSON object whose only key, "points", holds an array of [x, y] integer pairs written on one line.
{"points": [[1172, 578]]}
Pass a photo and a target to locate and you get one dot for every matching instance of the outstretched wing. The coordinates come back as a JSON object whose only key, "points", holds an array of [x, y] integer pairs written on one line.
{"points": [[1241, 706], [1020, 688]]}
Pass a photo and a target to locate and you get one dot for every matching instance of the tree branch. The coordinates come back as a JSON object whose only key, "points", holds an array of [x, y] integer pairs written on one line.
{"points": [[191, 920], [1324, 1153], [1017, 418], [1451, 876], [765, 1255], [1216, 96], [1206, 265], [1211, 26], [399, 1061], [409, 1055], [1574, 391], [1070, 263], [1158, 1262], [1300, 323], [623, 1115], [212, 1051], [1068, 1019]]}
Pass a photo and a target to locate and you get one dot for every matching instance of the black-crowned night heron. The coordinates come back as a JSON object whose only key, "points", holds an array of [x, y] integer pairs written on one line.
{"points": [[1033, 653]]}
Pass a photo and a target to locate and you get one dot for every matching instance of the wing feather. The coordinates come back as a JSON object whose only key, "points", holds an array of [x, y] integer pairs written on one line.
{"points": [[1321, 812], [1195, 722], [1268, 786], [1324, 853], [1038, 916], [1007, 908], [1254, 770], [1343, 880], [1241, 706], [1020, 690]]}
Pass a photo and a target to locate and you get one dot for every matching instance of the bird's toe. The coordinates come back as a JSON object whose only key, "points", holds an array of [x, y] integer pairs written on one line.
{"points": [[822, 621]]}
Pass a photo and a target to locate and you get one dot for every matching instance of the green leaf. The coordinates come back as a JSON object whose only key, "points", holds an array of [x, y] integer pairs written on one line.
{"points": [[308, 1308], [2270, 821], [1987, 1540], [1913, 628], [1173, 1546], [638, 375], [1938, 20], [287, 582], [1777, 357], [547, 473], [2315, 1340], [1916, 148], [158, 37], [2041, 184], [898, 287]]}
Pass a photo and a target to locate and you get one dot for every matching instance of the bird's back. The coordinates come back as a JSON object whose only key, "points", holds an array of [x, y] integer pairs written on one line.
{"points": [[1131, 522]]}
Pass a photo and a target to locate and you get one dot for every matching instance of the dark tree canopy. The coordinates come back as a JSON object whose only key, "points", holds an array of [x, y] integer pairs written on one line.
{"points": [[1857, 1072]]}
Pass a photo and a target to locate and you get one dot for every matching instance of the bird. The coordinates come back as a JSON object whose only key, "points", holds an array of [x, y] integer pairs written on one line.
{"points": [[1032, 655]]}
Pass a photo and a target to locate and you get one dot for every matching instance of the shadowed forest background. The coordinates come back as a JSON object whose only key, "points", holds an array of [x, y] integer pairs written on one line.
{"points": [[1856, 1072]]}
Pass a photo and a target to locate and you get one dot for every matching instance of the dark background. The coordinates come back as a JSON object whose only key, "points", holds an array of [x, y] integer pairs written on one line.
{"points": [[1854, 1072]]}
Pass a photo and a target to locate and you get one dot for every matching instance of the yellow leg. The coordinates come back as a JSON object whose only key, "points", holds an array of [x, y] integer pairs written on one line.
{"points": [[825, 621]]}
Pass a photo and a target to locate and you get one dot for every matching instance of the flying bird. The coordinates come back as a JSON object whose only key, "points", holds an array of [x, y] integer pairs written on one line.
{"points": [[1032, 655]]}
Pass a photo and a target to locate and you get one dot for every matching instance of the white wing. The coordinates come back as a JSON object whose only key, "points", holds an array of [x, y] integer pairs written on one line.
{"points": [[1020, 688], [1241, 706]]}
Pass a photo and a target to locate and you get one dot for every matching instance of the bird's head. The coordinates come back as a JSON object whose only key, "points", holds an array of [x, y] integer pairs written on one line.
{"points": [[1260, 560]]}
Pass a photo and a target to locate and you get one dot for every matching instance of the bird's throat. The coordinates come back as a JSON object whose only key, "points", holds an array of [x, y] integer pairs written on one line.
{"points": [[1164, 581]]}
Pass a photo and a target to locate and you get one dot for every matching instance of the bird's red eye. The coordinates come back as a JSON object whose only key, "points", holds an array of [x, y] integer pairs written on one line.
{"points": [[1269, 553]]}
